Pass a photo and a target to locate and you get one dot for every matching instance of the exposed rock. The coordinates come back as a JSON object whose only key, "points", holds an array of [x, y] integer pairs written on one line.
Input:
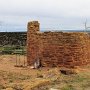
{"points": [[68, 71], [53, 89]]}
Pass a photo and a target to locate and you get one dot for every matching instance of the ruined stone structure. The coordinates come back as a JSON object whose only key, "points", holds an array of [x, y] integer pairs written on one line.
{"points": [[56, 49]]}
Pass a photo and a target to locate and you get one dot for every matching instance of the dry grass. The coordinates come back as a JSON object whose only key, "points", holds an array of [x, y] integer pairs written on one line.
{"points": [[19, 78]]}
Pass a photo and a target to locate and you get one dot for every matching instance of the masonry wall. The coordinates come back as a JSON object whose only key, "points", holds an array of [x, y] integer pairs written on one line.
{"points": [[32, 42], [65, 49], [56, 49]]}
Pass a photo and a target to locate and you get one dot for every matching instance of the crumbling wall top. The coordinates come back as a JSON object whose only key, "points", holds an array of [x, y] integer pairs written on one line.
{"points": [[33, 22]]}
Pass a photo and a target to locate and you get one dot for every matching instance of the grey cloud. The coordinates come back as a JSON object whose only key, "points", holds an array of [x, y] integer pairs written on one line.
{"points": [[66, 14]]}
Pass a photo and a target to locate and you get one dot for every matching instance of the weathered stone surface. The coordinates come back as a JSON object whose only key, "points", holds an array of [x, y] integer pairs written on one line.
{"points": [[56, 49], [68, 71]]}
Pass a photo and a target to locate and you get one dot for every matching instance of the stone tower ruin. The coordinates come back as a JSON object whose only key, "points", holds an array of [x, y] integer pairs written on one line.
{"points": [[32, 42], [56, 49]]}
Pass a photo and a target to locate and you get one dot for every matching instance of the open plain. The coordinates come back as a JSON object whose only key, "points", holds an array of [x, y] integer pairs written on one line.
{"points": [[25, 78]]}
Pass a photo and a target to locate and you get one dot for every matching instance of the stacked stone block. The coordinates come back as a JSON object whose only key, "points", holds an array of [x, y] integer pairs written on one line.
{"points": [[56, 49], [32, 42]]}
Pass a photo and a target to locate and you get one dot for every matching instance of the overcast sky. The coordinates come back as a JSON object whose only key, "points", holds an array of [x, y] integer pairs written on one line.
{"points": [[52, 14]]}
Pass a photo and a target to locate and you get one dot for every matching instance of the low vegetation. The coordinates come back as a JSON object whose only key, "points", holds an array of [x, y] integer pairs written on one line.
{"points": [[24, 78], [13, 49]]}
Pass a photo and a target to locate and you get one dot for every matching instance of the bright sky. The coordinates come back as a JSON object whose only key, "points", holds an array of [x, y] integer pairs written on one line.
{"points": [[52, 14]]}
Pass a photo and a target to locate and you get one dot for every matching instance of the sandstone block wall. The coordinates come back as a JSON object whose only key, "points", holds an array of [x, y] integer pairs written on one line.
{"points": [[57, 49], [32, 42]]}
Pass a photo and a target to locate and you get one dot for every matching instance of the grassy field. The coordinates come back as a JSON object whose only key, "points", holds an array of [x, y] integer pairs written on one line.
{"points": [[25, 78], [13, 49]]}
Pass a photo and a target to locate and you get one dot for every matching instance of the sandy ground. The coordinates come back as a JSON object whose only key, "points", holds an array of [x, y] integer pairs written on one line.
{"points": [[24, 78], [8, 62]]}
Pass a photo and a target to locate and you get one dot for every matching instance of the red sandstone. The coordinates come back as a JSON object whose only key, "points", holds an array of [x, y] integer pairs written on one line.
{"points": [[57, 49]]}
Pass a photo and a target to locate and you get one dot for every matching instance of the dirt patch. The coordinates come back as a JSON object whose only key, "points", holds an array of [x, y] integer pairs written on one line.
{"points": [[24, 78]]}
